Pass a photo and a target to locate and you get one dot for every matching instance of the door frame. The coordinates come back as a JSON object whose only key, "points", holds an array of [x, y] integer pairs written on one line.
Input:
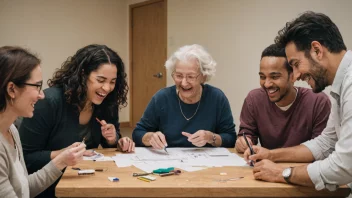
{"points": [[130, 20]]}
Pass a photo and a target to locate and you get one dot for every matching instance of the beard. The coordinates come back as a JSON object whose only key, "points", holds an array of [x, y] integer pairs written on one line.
{"points": [[319, 74]]}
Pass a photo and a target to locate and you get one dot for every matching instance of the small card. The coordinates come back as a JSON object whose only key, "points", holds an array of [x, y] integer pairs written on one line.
{"points": [[86, 172], [148, 177], [113, 179]]}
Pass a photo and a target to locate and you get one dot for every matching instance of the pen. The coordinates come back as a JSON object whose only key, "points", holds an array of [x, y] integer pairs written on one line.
{"points": [[140, 174], [84, 139], [164, 145], [250, 148], [175, 172]]}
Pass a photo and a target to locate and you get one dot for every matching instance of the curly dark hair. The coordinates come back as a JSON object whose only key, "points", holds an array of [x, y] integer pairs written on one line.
{"points": [[309, 27], [74, 72]]}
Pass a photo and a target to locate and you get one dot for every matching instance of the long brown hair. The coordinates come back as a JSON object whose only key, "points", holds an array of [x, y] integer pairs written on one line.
{"points": [[16, 65]]}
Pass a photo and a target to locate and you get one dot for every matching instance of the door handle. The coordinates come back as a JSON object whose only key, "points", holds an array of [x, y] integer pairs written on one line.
{"points": [[158, 75]]}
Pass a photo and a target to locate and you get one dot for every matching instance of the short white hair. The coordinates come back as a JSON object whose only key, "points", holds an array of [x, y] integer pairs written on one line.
{"points": [[187, 53]]}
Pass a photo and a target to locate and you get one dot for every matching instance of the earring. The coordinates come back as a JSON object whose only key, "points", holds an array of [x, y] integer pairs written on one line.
{"points": [[11, 101]]}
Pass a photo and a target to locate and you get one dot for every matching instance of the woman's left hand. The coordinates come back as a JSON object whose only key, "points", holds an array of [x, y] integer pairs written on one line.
{"points": [[108, 131], [126, 144], [199, 138]]}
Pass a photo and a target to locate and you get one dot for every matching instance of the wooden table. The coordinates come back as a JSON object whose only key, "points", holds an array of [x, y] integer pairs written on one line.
{"points": [[189, 184]]}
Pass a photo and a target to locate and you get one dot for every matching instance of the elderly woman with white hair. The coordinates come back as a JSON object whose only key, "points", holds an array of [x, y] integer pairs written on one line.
{"points": [[189, 113]]}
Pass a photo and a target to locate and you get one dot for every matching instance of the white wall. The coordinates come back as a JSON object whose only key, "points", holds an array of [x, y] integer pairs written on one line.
{"points": [[236, 32], [57, 29]]}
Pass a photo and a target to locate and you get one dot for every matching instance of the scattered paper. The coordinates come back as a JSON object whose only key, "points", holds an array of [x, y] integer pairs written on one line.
{"points": [[188, 159]]}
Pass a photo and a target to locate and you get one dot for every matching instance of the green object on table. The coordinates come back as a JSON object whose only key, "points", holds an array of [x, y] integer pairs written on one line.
{"points": [[163, 170]]}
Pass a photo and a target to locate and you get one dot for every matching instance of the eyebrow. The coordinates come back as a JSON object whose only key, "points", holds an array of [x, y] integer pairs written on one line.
{"points": [[105, 77], [275, 73], [38, 82], [292, 61]]}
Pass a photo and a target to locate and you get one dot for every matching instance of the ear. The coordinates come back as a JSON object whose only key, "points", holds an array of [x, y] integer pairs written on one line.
{"points": [[204, 78], [10, 88], [316, 51]]}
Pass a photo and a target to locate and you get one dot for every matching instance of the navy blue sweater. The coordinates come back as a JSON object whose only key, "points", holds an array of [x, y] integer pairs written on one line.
{"points": [[163, 114]]}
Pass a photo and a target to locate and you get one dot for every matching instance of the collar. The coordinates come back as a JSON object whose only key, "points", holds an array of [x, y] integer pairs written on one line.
{"points": [[340, 74]]}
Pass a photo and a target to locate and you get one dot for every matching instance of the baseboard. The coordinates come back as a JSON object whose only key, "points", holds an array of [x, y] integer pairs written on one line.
{"points": [[124, 124]]}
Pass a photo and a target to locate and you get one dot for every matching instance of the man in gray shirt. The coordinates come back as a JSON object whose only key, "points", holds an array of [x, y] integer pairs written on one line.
{"points": [[316, 52]]}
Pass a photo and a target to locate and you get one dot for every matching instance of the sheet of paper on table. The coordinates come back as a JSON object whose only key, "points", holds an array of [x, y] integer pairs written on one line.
{"points": [[188, 159]]}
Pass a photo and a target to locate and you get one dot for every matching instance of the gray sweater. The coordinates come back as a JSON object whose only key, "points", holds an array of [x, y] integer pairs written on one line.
{"points": [[10, 178]]}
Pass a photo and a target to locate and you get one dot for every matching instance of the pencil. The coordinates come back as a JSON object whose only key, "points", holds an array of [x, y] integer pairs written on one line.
{"points": [[99, 121], [84, 139]]}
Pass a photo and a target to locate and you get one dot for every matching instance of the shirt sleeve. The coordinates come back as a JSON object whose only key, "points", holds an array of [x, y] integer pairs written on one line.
{"points": [[248, 123], [6, 190], [35, 132], [321, 114], [334, 169], [148, 123], [42, 179], [226, 127]]}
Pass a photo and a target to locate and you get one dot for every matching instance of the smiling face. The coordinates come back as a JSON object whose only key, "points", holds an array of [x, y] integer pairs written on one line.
{"points": [[101, 82], [274, 78], [307, 69], [188, 80], [25, 97]]}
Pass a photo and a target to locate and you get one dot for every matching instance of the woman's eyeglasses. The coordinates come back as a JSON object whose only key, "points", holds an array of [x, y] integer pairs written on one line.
{"points": [[189, 78], [39, 86]]}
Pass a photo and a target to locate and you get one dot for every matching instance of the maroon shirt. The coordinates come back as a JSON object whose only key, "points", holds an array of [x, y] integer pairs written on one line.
{"points": [[275, 128]]}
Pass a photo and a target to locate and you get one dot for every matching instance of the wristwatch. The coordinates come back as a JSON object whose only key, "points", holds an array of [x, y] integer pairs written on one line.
{"points": [[287, 174]]}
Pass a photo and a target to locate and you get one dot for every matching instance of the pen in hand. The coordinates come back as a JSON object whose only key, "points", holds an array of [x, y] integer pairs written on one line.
{"points": [[83, 141], [251, 163], [164, 145]]}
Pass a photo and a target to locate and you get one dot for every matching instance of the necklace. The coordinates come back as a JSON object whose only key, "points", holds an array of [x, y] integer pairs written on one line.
{"points": [[179, 103]]}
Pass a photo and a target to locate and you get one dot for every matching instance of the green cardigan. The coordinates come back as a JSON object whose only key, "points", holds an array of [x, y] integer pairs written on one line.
{"points": [[55, 125]]}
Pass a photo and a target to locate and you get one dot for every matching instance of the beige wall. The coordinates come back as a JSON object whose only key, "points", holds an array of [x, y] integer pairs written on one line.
{"points": [[57, 29], [234, 32]]}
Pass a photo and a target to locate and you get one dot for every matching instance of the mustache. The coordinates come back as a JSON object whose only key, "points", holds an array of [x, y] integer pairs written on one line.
{"points": [[305, 77]]}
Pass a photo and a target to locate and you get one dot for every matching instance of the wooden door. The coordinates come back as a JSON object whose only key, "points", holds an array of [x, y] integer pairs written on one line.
{"points": [[148, 51]]}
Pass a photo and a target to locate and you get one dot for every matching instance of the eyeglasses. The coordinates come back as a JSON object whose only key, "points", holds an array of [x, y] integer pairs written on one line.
{"points": [[189, 78], [39, 86]]}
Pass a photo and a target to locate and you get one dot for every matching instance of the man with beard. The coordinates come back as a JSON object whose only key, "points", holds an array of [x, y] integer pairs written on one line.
{"points": [[279, 114], [317, 53]]}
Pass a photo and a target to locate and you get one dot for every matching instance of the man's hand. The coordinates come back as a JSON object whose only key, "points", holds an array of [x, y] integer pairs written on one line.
{"points": [[267, 170], [241, 144], [260, 154]]}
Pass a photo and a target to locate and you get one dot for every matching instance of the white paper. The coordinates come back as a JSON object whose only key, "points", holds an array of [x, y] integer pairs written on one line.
{"points": [[188, 159]]}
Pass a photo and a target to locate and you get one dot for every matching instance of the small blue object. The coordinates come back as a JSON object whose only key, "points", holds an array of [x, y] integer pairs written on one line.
{"points": [[113, 179]]}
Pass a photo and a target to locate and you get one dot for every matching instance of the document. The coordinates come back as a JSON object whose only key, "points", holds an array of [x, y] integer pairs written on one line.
{"points": [[188, 159]]}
